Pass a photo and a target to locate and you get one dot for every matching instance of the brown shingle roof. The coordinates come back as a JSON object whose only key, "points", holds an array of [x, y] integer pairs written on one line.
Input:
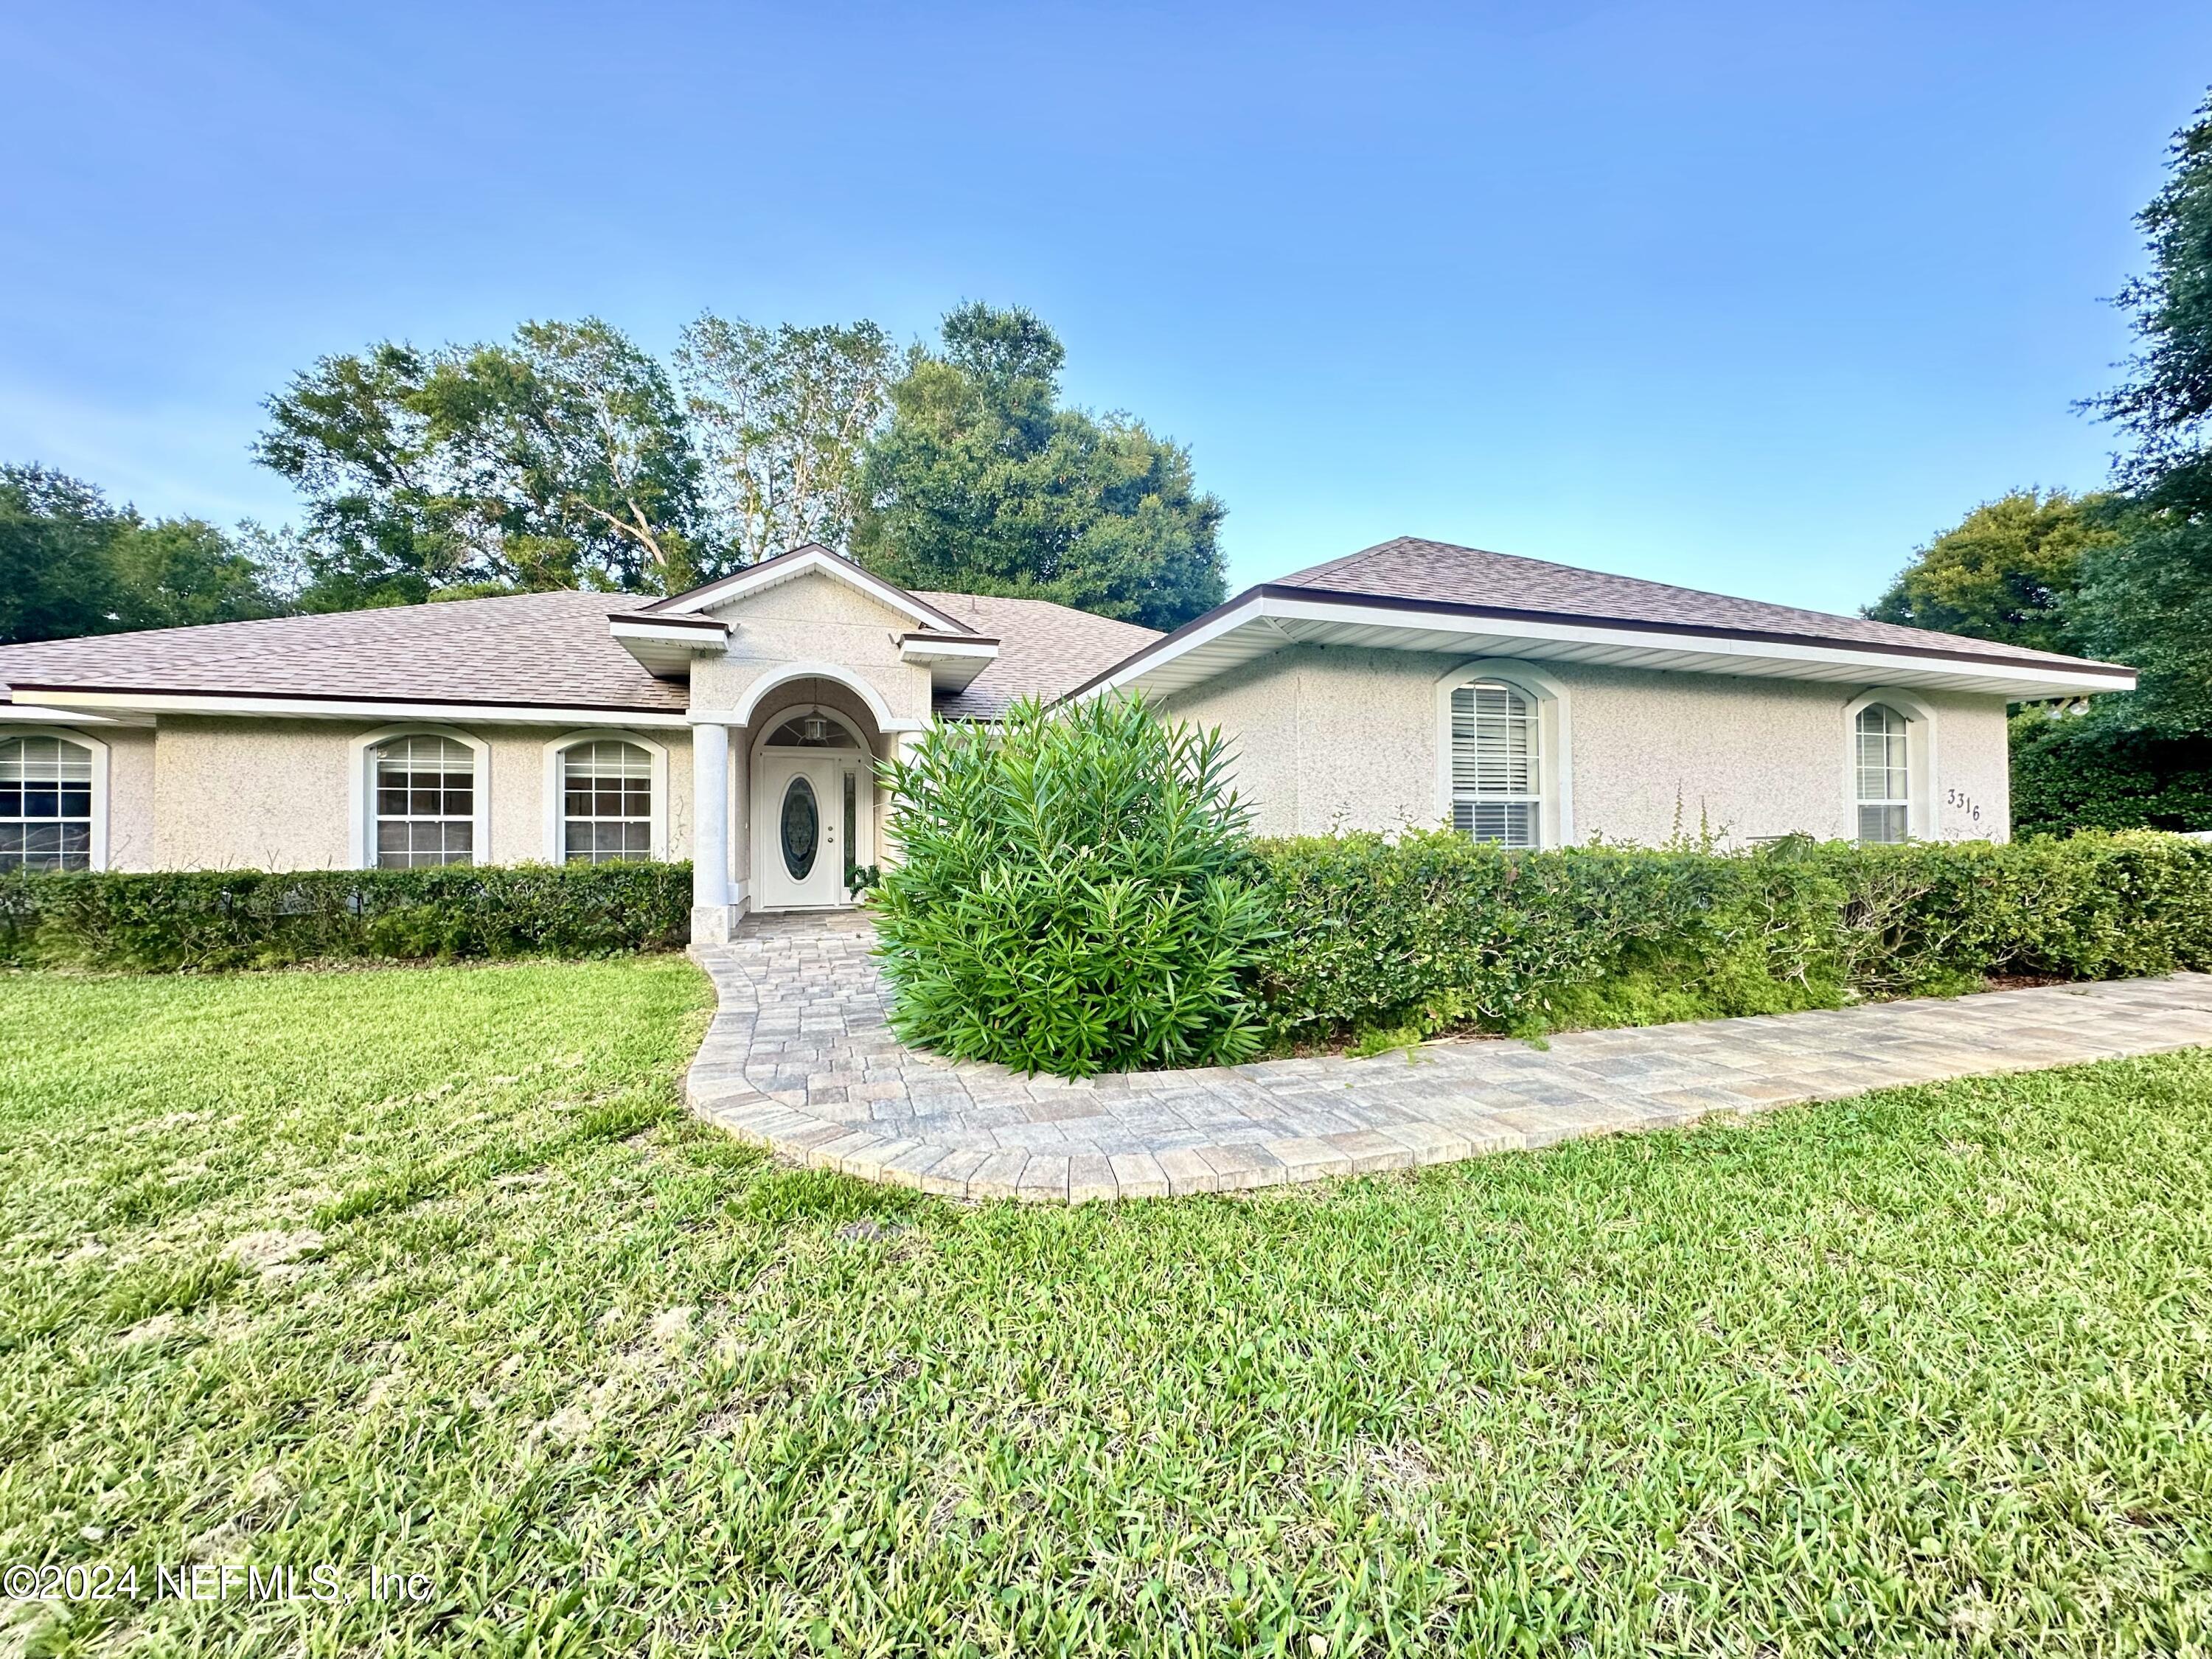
{"points": [[1425, 572], [1045, 650], [541, 649]]}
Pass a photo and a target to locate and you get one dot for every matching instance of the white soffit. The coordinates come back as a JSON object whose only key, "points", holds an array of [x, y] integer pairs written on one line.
{"points": [[1267, 622], [664, 646], [953, 664]]}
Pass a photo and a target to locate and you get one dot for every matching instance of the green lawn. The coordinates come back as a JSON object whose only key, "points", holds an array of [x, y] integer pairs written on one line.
{"points": [[1928, 1371]]}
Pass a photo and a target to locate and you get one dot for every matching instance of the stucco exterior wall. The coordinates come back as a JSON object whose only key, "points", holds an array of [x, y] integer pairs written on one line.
{"points": [[1347, 739], [130, 795], [812, 619], [209, 793]]}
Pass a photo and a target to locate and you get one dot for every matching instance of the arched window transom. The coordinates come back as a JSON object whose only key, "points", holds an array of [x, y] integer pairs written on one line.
{"points": [[1885, 774], [606, 802], [426, 802], [46, 804], [1497, 764], [810, 728]]}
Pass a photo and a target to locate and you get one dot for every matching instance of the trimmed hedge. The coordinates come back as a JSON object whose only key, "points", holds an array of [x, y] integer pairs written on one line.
{"points": [[1430, 931], [253, 919]]}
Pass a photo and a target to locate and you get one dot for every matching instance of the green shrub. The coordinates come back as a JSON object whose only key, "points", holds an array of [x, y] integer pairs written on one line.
{"points": [[1430, 931], [254, 919], [2078, 772], [1073, 895]]}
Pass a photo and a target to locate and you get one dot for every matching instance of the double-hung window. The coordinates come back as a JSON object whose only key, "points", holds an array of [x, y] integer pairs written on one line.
{"points": [[1497, 764], [46, 804], [426, 802], [606, 802], [1884, 774]]}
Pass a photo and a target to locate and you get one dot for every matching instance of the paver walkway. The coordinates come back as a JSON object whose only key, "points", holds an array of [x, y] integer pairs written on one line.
{"points": [[800, 1059]]}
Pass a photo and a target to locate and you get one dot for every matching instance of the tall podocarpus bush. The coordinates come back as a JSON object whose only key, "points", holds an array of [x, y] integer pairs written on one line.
{"points": [[1072, 895]]}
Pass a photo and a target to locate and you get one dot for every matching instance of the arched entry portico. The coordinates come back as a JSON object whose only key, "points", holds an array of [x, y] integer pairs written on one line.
{"points": [[813, 811], [787, 837]]}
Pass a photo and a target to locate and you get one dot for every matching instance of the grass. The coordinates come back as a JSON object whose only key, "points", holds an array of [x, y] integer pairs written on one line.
{"points": [[422, 1270]]}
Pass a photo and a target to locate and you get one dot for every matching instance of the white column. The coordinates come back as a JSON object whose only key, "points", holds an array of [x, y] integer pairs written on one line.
{"points": [[710, 835]]}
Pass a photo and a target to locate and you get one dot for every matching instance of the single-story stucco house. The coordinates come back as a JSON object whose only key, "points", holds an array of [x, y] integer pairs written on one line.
{"points": [[1414, 683]]}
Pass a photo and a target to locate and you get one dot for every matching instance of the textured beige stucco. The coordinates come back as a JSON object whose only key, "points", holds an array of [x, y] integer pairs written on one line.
{"points": [[1350, 738], [1325, 739], [812, 619], [130, 795], [221, 794]]}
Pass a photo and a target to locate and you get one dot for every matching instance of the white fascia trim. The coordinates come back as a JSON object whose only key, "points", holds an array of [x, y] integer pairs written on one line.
{"points": [[927, 650], [701, 639], [27, 711], [1252, 610], [184, 703], [1555, 739], [2033, 682], [361, 842], [1919, 759], [98, 855], [556, 847], [760, 577]]}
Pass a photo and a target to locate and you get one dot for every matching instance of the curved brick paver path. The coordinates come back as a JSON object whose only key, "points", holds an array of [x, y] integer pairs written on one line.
{"points": [[800, 1059]]}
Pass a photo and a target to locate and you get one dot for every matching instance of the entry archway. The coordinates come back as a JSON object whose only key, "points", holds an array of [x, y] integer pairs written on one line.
{"points": [[812, 778]]}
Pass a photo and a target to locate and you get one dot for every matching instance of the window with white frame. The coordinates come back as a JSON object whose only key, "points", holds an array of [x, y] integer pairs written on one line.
{"points": [[45, 803], [1497, 763], [606, 802], [1884, 774], [426, 801]]}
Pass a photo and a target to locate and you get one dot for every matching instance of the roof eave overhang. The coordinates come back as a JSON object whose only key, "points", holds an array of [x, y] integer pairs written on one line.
{"points": [[666, 645], [953, 660], [122, 704], [1267, 618]]}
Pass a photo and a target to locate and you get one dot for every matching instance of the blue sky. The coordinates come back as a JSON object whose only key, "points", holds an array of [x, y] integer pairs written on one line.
{"points": [[1753, 298]]}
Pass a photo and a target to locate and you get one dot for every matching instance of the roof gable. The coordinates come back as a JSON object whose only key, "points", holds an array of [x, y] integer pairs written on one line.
{"points": [[812, 560]]}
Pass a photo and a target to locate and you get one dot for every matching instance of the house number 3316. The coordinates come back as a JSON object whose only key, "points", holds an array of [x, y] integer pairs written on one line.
{"points": [[1965, 802]]}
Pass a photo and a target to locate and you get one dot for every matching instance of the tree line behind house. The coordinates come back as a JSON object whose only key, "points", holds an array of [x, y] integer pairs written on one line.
{"points": [[2124, 574], [569, 457]]}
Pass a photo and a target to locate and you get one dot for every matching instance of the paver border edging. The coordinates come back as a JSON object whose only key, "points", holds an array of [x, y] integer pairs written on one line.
{"points": [[1483, 1096]]}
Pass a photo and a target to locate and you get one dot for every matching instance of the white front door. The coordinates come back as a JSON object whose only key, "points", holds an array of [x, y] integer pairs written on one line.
{"points": [[798, 857]]}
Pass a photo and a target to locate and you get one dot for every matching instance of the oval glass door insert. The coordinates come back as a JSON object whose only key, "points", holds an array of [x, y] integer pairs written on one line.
{"points": [[802, 827]]}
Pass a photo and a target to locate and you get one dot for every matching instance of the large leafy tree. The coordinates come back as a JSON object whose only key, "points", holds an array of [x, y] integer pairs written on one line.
{"points": [[2007, 571], [70, 563], [782, 418], [984, 483], [2147, 599], [559, 458]]}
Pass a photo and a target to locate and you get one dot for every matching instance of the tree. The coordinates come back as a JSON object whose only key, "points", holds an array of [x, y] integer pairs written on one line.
{"points": [[983, 483], [559, 459], [175, 573], [2147, 599], [55, 582], [71, 564], [782, 418], [2007, 571]]}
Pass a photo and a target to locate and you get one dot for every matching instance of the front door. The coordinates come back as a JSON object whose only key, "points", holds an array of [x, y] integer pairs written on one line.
{"points": [[798, 852]]}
